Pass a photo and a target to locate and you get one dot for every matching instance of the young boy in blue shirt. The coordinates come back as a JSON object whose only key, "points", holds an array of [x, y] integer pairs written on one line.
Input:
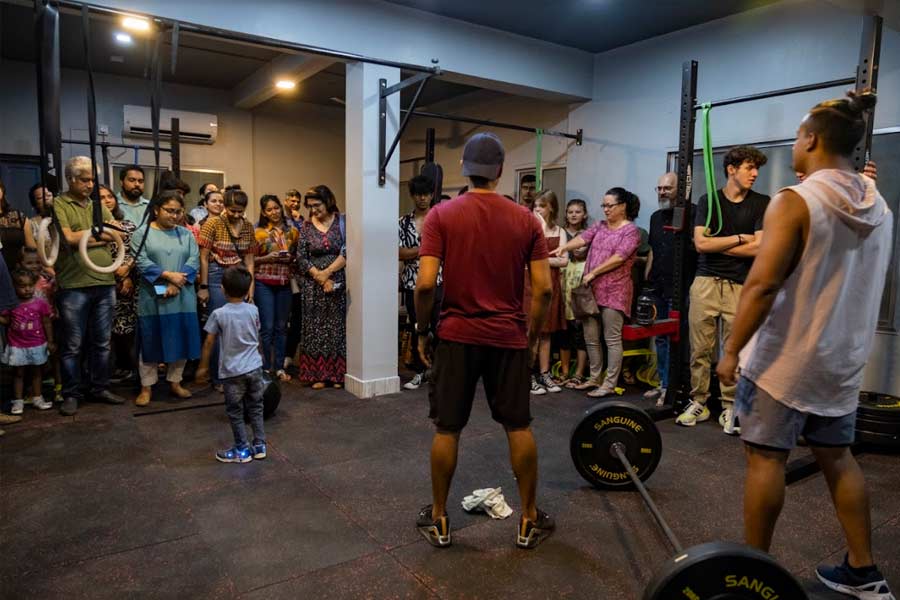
{"points": [[236, 327]]}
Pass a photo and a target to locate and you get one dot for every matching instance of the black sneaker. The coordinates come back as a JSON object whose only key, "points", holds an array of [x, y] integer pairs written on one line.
{"points": [[68, 407], [532, 533], [840, 578], [107, 397], [436, 531]]}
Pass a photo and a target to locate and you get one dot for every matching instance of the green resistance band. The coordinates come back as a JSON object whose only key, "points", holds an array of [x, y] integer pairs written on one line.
{"points": [[709, 167], [537, 161]]}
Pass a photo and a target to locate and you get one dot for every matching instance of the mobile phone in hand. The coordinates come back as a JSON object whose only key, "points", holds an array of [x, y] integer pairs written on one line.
{"points": [[160, 290]]}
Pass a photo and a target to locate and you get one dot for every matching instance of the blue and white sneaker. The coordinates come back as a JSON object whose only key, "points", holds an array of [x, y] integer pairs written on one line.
{"points": [[235, 455], [259, 449], [840, 578]]}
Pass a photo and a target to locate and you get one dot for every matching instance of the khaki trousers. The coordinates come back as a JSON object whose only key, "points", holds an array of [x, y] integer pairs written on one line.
{"points": [[713, 304]]}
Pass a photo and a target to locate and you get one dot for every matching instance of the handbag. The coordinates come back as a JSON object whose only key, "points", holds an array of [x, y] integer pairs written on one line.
{"points": [[583, 302]]}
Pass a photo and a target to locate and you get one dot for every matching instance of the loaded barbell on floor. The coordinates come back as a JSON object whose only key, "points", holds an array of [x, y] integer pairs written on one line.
{"points": [[617, 446]]}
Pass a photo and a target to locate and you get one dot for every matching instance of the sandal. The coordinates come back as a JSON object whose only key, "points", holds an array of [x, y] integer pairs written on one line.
{"points": [[586, 385], [179, 391], [282, 376], [601, 392], [318, 385], [143, 399], [572, 384]]}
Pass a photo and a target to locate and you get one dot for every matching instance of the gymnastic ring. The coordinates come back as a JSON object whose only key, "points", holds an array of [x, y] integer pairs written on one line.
{"points": [[44, 235], [83, 250]]}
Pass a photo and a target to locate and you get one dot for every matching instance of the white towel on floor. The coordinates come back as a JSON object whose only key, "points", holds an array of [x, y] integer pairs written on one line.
{"points": [[488, 500]]}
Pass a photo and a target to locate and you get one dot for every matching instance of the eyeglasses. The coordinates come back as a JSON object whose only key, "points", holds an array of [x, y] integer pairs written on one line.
{"points": [[175, 212], [314, 205], [610, 206], [665, 188]]}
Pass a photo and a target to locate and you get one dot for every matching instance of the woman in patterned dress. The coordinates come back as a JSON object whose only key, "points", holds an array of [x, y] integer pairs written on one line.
{"points": [[125, 315], [321, 257]]}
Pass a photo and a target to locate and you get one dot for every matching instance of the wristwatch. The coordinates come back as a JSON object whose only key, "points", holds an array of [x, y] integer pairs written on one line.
{"points": [[203, 286], [420, 331]]}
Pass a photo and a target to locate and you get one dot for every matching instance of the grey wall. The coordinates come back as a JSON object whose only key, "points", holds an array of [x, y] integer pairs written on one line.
{"points": [[265, 151], [633, 119]]}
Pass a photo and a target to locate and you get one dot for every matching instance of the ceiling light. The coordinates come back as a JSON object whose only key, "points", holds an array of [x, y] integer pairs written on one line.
{"points": [[285, 84], [136, 24], [123, 38]]}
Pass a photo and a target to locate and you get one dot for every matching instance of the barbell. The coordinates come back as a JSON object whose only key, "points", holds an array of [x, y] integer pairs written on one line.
{"points": [[617, 446]]}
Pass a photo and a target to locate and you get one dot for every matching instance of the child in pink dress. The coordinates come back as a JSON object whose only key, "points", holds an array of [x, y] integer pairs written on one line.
{"points": [[45, 287], [29, 340]]}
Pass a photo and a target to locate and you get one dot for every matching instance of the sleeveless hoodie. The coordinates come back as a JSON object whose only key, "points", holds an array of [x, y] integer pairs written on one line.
{"points": [[810, 352]]}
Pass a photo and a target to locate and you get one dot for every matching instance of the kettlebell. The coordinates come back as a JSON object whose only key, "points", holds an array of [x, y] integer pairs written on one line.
{"points": [[645, 312]]}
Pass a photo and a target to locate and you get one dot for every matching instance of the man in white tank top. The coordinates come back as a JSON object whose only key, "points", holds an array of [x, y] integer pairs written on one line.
{"points": [[811, 303]]}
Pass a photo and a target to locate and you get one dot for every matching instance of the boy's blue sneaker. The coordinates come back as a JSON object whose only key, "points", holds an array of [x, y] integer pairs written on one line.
{"points": [[871, 586], [235, 455], [259, 449]]}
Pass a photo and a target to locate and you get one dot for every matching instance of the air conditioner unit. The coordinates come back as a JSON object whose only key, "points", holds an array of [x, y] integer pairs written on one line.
{"points": [[194, 128]]}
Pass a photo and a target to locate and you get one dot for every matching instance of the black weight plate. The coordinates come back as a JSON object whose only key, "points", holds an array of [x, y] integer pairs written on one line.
{"points": [[608, 423], [720, 570], [877, 426], [878, 439], [271, 398], [879, 406]]}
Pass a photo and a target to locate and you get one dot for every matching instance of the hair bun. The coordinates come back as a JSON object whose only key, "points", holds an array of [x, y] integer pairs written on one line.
{"points": [[860, 102]]}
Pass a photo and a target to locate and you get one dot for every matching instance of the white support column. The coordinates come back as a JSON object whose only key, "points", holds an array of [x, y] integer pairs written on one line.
{"points": [[372, 238]]}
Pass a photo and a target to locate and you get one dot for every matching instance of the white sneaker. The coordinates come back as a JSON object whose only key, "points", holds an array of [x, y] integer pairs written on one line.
{"points": [[287, 362], [548, 384], [727, 419], [693, 414], [18, 407], [536, 388], [414, 383], [39, 403]]}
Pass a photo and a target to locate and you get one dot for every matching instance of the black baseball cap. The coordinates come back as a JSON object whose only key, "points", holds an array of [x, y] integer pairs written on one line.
{"points": [[483, 156]]}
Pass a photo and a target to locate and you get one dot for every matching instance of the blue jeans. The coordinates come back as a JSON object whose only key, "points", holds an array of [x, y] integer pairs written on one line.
{"points": [[216, 300], [245, 390], [274, 304], [85, 320], [662, 343]]}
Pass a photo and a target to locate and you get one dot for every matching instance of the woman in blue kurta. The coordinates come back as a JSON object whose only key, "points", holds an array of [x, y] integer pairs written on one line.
{"points": [[168, 262]]}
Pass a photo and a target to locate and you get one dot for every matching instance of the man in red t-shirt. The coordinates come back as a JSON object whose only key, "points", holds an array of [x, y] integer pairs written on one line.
{"points": [[484, 242]]}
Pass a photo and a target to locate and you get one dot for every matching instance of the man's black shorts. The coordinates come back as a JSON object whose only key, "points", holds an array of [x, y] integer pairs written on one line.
{"points": [[455, 372]]}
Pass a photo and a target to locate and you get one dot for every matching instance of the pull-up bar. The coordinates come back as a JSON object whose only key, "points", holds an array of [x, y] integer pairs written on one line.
{"points": [[577, 136], [782, 92]]}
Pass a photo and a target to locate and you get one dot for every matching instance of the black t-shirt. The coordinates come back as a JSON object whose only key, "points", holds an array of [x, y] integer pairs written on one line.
{"points": [[662, 241], [737, 218]]}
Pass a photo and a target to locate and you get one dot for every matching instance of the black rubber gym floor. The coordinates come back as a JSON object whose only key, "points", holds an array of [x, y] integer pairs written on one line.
{"points": [[109, 505]]}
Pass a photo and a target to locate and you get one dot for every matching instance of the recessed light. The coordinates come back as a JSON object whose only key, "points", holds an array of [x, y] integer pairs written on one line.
{"points": [[136, 24], [285, 84], [123, 38]]}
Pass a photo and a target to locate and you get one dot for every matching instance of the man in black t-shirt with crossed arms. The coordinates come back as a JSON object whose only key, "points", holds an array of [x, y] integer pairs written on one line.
{"points": [[726, 248]]}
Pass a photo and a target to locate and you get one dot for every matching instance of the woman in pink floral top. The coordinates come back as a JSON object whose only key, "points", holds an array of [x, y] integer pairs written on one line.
{"points": [[607, 270]]}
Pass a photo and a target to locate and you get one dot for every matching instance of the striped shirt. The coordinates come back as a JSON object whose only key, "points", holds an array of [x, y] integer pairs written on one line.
{"points": [[224, 247]]}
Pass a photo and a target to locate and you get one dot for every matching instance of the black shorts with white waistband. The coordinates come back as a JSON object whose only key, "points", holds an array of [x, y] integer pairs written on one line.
{"points": [[455, 372]]}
